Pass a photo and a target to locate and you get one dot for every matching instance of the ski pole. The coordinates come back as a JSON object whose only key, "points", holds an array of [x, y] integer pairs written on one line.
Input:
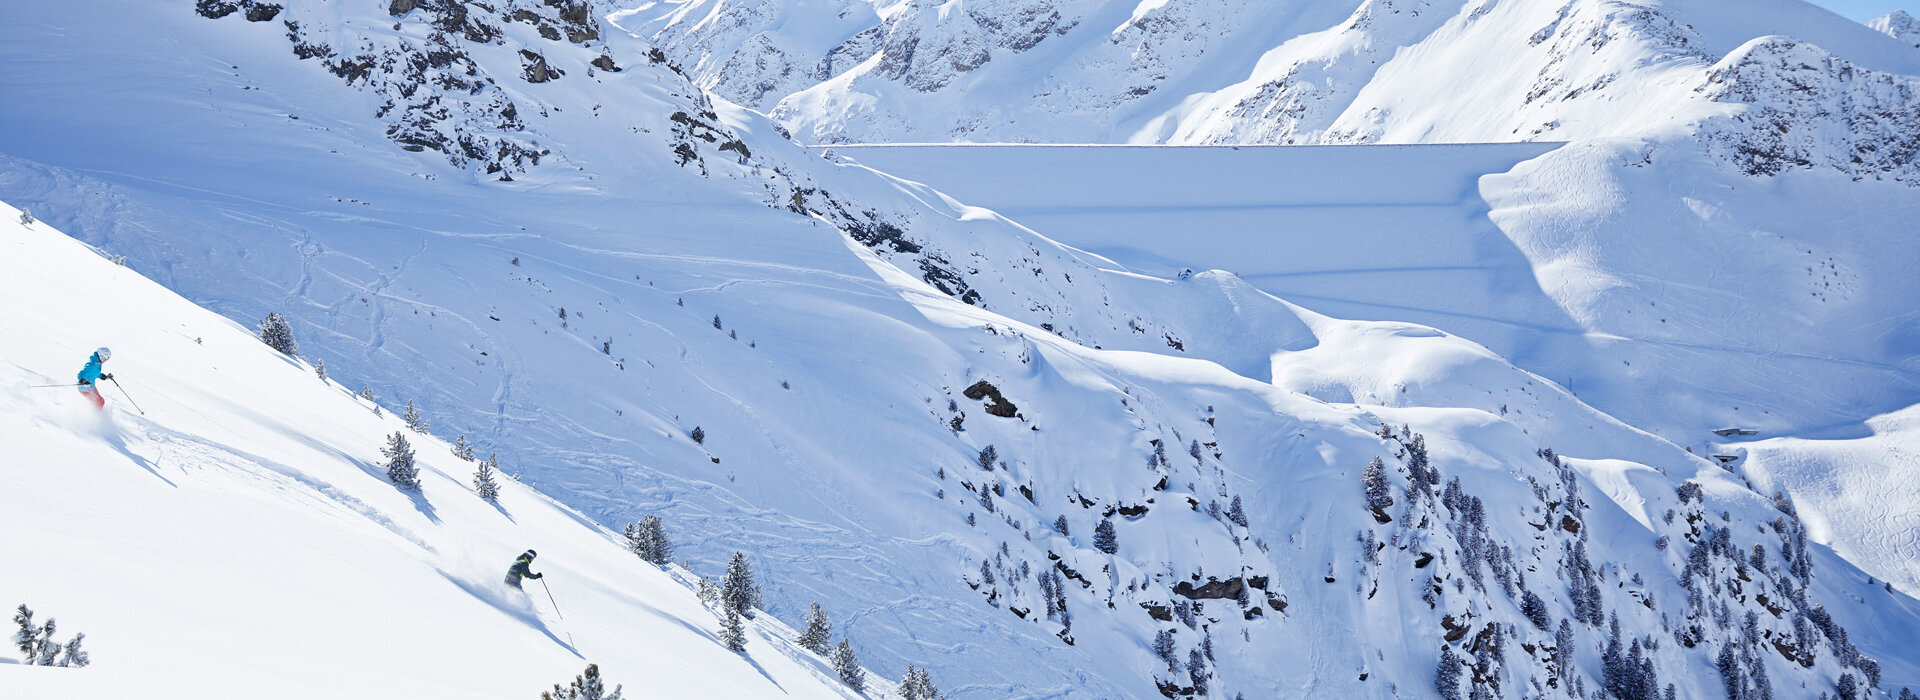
{"points": [[50, 386], [123, 392], [556, 606]]}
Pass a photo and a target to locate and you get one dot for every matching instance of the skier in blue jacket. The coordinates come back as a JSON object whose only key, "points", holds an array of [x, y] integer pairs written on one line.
{"points": [[90, 375]]}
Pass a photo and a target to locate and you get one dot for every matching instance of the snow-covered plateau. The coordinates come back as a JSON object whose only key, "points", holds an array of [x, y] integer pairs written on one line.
{"points": [[1402, 414]]}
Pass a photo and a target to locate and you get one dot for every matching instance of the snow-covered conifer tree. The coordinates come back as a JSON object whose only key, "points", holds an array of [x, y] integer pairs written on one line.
{"points": [[483, 483], [278, 334], [400, 468], [733, 633], [73, 655], [320, 369], [1197, 671], [1060, 526], [462, 448], [1236, 514], [1104, 538], [28, 639], [586, 686], [848, 666], [738, 590], [413, 419], [1446, 677], [1379, 493], [918, 685], [1163, 648], [818, 637]]}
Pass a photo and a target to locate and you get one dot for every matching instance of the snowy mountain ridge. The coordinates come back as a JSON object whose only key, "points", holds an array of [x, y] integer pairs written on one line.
{"points": [[1227, 72], [918, 411]]}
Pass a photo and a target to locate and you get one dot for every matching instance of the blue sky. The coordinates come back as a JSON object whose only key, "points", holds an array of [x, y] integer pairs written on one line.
{"points": [[1863, 10]]}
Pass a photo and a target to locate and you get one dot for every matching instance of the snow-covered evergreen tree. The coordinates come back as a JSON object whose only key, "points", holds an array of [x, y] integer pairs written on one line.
{"points": [[400, 468], [1197, 671], [586, 686], [648, 540], [278, 334], [699, 435], [1379, 492], [848, 666], [72, 654], [918, 685], [733, 633], [483, 483], [1446, 678], [1104, 538], [462, 448], [1237, 514], [26, 218], [1535, 609], [818, 637], [413, 419], [1060, 526], [1163, 648], [29, 638], [37, 646], [320, 369], [708, 591], [738, 590], [366, 393]]}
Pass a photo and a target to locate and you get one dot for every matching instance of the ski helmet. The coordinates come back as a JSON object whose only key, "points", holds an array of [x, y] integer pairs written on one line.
{"points": [[529, 554], [104, 354]]}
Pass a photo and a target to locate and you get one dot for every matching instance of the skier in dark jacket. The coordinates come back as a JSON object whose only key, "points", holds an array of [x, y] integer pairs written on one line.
{"points": [[522, 568], [91, 374]]}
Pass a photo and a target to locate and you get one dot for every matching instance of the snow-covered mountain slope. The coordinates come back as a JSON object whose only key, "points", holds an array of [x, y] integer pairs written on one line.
{"points": [[1852, 476], [897, 396], [1899, 25], [240, 537]]}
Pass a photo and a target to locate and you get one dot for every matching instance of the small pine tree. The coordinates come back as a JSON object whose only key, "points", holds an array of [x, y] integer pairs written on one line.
{"points": [[400, 468], [412, 418], [483, 483], [1236, 514], [1104, 538], [26, 218], [278, 334], [462, 449], [917, 685], [1060, 526], [320, 369], [1379, 493], [1446, 678], [647, 539], [848, 666], [708, 592], [73, 655], [732, 632], [586, 686], [818, 637], [738, 590], [699, 435], [1163, 648], [1535, 609], [366, 392], [1197, 671], [28, 639], [987, 457]]}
